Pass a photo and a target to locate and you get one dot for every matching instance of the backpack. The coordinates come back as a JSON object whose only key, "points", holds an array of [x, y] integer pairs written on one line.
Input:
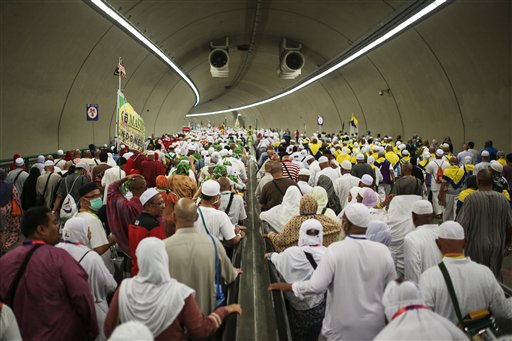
{"points": [[439, 174], [68, 208]]}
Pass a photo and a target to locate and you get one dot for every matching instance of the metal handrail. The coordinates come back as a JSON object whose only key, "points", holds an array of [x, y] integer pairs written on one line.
{"points": [[278, 298]]}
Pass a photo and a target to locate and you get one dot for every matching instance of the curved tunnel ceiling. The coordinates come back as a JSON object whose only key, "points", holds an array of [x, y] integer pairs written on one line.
{"points": [[449, 75]]}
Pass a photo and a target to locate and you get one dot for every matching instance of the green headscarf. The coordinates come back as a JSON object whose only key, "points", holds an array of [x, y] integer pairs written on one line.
{"points": [[182, 167]]}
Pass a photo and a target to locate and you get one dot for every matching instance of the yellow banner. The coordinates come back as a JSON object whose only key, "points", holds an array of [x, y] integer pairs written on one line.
{"points": [[132, 130]]}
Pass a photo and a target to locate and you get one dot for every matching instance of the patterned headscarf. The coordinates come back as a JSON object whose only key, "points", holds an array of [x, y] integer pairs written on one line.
{"points": [[308, 205]]}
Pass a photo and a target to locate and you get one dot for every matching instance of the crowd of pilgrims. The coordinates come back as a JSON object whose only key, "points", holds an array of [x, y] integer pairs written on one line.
{"points": [[137, 244]]}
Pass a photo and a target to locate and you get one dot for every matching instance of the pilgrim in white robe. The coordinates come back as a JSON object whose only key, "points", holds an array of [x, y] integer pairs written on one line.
{"points": [[420, 251]]}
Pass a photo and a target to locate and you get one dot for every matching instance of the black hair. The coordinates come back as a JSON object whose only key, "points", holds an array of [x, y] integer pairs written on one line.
{"points": [[471, 182], [471, 144], [32, 218], [103, 156], [207, 197]]}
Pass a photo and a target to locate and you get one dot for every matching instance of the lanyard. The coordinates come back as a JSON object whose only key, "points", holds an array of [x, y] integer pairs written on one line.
{"points": [[409, 307], [357, 237], [34, 242]]}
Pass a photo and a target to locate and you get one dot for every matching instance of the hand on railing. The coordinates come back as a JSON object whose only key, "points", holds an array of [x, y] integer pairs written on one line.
{"points": [[234, 308]]}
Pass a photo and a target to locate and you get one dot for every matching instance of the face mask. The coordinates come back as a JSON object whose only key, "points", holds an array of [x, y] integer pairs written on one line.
{"points": [[95, 204]]}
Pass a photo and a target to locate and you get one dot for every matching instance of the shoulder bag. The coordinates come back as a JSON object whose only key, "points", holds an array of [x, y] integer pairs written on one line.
{"points": [[477, 324], [220, 298]]}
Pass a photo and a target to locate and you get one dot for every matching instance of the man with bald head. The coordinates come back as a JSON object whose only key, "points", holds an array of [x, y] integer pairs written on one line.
{"points": [[192, 256], [273, 192], [408, 184], [487, 220]]}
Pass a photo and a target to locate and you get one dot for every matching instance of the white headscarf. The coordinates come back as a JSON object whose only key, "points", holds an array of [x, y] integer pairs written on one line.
{"points": [[414, 324], [131, 330], [378, 231], [400, 223], [280, 214], [152, 297], [75, 230], [322, 199], [397, 296], [292, 263]]}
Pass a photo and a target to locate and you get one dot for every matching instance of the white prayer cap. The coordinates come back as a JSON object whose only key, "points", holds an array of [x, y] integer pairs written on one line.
{"points": [[439, 152], [40, 159], [211, 150], [360, 157], [422, 207], [147, 195], [309, 157], [48, 163], [370, 160], [334, 162], [445, 145], [210, 188], [356, 144], [60, 152], [19, 162], [467, 159], [451, 230], [131, 330], [367, 179], [378, 231], [223, 152], [496, 166], [204, 153], [150, 153], [215, 157], [347, 165], [122, 146], [344, 150], [401, 147], [358, 214], [323, 159], [375, 148], [304, 171], [426, 154], [485, 153], [81, 165], [405, 152], [364, 149]]}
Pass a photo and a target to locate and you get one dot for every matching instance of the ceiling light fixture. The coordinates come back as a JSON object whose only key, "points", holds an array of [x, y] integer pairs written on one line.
{"points": [[107, 9], [388, 35]]}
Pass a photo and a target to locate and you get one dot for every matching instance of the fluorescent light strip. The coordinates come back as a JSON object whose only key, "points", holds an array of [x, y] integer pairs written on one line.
{"points": [[345, 61], [124, 23]]}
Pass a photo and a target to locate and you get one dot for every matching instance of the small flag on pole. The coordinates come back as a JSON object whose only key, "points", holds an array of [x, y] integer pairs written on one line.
{"points": [[354, 122], [120, 70]]}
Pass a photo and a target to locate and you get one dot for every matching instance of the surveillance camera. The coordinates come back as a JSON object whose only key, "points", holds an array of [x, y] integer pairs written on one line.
{"points": [[381, 93]]}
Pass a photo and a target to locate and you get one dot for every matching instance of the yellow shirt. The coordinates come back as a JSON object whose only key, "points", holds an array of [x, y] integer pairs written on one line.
{"points": [[393, 158], [314, 147], [503, 162]]}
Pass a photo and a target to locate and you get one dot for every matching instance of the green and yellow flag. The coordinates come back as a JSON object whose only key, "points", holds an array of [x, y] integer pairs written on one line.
{"points": [[132, 130]]}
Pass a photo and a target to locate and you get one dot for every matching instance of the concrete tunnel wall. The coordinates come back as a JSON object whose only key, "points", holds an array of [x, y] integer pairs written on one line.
{"points": [[449, 76]]}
